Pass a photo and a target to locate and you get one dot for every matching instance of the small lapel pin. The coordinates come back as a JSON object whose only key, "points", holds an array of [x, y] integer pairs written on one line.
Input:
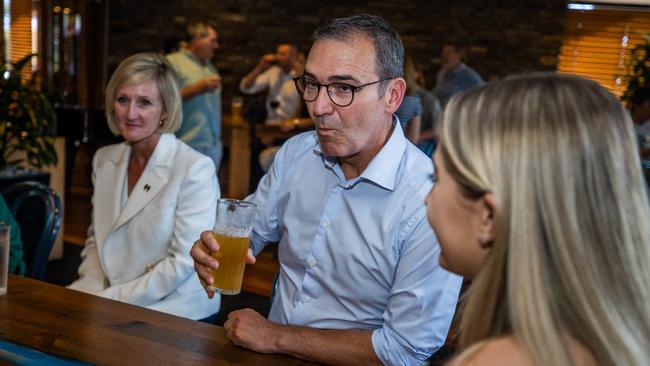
{"points": [[147, 187]]}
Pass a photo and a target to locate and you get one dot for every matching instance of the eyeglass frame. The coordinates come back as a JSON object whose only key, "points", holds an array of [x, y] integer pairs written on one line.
{"points": [[353, 88]]}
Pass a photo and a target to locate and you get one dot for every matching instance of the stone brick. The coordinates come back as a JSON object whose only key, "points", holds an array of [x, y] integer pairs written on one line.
{"points": [[502, 36]]}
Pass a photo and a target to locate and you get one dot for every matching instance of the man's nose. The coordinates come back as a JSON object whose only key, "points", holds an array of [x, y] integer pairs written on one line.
{"points": [[323, 104]]}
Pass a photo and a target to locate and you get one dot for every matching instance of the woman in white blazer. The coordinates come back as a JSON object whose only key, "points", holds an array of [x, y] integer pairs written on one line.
{"points": [[153, 195]]}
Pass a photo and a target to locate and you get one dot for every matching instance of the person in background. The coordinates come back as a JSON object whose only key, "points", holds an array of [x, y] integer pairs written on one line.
{"points": [[409, 112], [431, 114], [359, 281], [454, 75], [153, 195], [200, 86], [16, 261], [641, 110], [641, 117], [274, 73], [174, 43], [539, 198]]}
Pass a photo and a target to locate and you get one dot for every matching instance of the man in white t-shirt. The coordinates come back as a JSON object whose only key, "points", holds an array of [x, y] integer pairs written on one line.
{"points": [[275, 73]]}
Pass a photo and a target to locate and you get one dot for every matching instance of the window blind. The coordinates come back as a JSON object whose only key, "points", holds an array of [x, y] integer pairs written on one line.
{"points": [[598, 43]]}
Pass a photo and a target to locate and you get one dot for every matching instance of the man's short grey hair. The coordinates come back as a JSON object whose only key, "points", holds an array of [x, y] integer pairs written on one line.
{"points": [[198, 29], [389, 50]]}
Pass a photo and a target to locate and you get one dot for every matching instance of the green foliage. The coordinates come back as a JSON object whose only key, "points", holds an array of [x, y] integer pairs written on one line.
{"points": [[27, 119], [639, 75]]}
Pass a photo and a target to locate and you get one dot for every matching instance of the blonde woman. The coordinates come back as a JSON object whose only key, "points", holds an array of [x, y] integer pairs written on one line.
{"points": [[540, 199], [153, 195]]}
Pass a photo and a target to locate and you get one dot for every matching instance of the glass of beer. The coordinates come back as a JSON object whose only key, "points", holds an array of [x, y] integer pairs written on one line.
{"points": [[232, 230], [236, 106]]}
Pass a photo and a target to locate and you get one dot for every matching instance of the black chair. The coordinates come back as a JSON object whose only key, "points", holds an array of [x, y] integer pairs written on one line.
{"points": [[37, 210]]}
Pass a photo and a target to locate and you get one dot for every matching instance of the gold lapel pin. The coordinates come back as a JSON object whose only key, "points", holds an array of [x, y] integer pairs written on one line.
{"points": [[147, 187]]}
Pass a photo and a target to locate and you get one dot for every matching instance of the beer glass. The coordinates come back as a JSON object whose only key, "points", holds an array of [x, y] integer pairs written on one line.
{"points": [[236, 106], [232, 230]]}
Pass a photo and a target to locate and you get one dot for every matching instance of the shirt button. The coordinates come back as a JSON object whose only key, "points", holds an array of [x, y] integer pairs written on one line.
{"points": [[312, 263], [326, 223], [305, 299]]}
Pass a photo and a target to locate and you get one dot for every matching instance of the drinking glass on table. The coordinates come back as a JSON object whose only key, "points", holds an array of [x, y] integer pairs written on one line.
{"points": [[236, 106], [232, 230]]}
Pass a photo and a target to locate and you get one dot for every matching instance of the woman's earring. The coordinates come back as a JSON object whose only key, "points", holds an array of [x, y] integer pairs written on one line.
{"points": [[162, 122]]}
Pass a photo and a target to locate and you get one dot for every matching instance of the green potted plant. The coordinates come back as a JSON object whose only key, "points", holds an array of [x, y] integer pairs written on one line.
{"points": [[639, 69], [27, 120]]}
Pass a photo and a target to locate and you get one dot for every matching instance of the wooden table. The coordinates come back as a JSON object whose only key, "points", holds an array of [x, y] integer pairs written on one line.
{"points": [[73, 325]]}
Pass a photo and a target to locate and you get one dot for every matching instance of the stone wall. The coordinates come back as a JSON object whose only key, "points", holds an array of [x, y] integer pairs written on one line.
{"points": [[503, 36]]}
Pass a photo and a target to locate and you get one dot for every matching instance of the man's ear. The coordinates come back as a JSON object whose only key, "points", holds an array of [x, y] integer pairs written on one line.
{"points": [[487, 225], [394, 94]]}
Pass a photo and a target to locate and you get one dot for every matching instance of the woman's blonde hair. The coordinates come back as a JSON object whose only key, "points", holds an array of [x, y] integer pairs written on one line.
{"points": [[140, 68], [571, 255]]}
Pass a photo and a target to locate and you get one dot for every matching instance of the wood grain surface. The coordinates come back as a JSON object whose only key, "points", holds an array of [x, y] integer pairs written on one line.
{"points": [[78, 326]]}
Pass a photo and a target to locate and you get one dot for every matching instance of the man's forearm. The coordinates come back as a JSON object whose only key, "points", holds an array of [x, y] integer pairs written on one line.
{"points": [[190, 91], [249, 80], [334, 347]]}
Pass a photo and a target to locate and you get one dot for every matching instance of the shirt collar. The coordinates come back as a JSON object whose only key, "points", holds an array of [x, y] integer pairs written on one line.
{"points": [[458, 68], [191, 56], [383, 168]]}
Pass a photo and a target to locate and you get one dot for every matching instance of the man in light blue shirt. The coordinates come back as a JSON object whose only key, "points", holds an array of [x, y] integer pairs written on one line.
{"points": [[200, 86], [359, 278], [454, 75]]}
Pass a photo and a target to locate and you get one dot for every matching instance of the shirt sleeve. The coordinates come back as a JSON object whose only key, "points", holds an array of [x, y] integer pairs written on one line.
{"points": [[91, 274], [418, 108], [422, 301]]}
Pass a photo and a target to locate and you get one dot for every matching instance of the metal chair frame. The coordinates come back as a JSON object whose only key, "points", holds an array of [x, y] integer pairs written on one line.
{"points": [[16, 195]]}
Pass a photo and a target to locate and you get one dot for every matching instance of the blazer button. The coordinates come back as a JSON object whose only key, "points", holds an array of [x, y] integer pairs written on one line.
{"points": [[149, 267]]}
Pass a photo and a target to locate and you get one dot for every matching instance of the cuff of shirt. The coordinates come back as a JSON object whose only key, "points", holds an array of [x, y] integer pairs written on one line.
{"points": [[393, 349]]}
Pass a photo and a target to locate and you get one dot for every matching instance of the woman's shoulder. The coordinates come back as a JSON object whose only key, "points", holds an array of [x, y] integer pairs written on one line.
{"points": [[500, 351], [113, 152], [508, 351], [112, 148], [188, 160]]}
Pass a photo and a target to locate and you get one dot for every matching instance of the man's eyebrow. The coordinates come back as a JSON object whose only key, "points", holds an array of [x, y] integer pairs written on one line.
{"points": [[333, 77], [342, 78], [309, 75]]}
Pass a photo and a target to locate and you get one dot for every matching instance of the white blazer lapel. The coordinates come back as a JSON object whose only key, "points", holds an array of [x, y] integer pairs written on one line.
{"points": [[109, 180], [153, 178]]}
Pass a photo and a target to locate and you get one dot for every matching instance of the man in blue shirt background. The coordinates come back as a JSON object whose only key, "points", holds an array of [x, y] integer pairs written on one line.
{"points": [[200, 86], [359, 279], [454, 75]]}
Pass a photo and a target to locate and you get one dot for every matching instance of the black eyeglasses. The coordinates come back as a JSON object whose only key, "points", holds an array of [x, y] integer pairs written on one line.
{"points": [[341, 94]]}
